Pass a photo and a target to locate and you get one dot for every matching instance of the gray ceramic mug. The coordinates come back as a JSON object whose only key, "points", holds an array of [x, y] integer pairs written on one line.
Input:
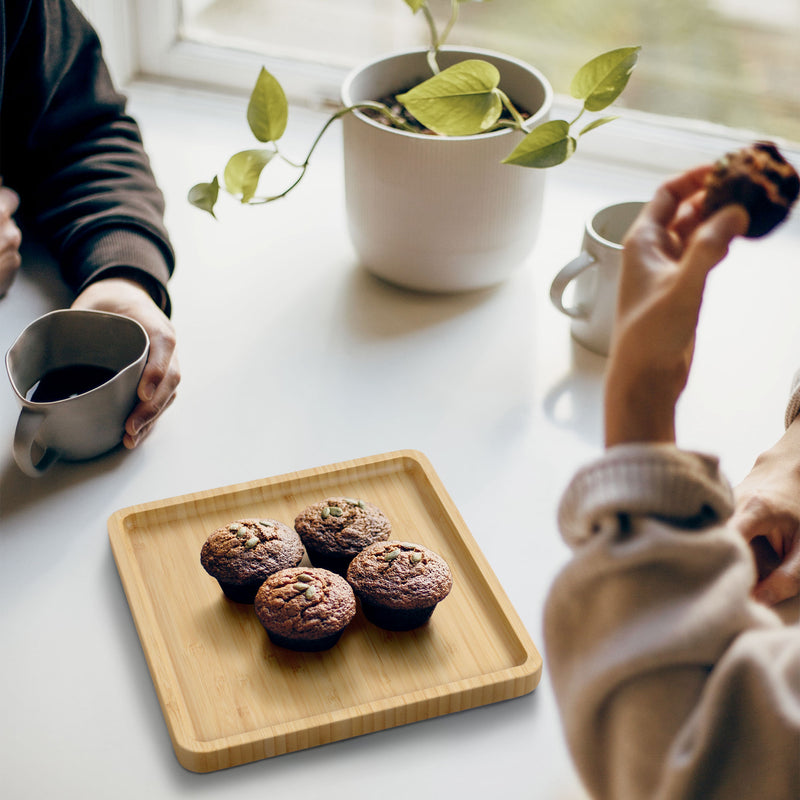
{"points": [[75, 375], [594, 275]]}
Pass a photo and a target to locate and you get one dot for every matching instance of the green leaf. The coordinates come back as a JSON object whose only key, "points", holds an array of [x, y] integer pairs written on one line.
{"points": [[243, 171], [268, 109], [460, 101], [596, 124], [415, 5], [601, 81], [204, 195], [547, 145]]}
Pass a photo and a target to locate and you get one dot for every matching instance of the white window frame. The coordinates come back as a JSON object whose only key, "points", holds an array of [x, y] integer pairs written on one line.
{"points": [[141, 41]]}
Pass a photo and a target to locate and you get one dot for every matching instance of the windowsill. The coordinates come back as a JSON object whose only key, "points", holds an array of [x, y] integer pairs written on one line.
{"points": [[636, 140], [302, 242]]}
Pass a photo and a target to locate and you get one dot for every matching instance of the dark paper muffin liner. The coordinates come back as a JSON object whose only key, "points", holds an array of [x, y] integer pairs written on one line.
{"points": [[334, 563], [396, 619], [305, 645], [241, 592]]}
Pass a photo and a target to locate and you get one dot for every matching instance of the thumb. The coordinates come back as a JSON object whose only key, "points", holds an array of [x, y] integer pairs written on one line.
{"points": [[783, 582], [778, 586], [709, 243]]}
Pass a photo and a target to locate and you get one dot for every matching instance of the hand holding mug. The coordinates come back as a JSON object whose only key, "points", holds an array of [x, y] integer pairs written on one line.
{"points": [[161, 374]]}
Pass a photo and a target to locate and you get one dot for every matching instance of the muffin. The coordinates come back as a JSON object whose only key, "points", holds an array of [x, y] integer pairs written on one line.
{"points": [[305, 609], [399, 584], [757, 177], [334, 530], [241, 554]]}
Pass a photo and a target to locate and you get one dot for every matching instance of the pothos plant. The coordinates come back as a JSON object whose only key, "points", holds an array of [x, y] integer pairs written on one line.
{"points": [[462, 100]]}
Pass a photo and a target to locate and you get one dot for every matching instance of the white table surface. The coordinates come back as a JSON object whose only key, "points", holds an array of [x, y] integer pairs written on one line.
{"points": [[488, 385]]}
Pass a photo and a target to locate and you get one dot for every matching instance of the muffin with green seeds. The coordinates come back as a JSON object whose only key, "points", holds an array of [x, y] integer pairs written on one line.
{"points": [[335, 529], [242, 554], [399, 584], [305, 608]]}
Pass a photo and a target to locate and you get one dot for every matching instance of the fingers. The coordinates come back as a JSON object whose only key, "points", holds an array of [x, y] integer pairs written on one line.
{"points": [[668, 198], [710, 241], [775, 542], [10, 239], [138, 428], [157, 386], [781, 584], [161, 375]]}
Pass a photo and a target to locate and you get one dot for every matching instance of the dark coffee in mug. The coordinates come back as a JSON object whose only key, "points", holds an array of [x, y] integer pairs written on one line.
{"points": [[68, 381]]}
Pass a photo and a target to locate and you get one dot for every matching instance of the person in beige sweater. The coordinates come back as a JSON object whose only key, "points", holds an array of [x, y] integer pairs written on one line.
{"points": [[674, 678]]}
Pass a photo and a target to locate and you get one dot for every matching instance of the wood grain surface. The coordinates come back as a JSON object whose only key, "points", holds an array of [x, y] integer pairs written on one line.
{"points": [[229, 696]]}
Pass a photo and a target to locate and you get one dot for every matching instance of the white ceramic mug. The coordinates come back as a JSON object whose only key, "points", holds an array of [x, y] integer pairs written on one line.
{"points": [[75, 375], [594, 275]]}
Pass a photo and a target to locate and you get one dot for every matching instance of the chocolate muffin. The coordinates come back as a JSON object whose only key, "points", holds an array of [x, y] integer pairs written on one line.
{"points": [[305, 609], [334, 530], [399, 584], [757, 177], [241, 554]]}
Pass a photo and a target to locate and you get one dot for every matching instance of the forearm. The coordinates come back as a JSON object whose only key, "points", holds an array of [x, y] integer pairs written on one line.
{"points": [[73, 155], [656, 652], [637, 408]]}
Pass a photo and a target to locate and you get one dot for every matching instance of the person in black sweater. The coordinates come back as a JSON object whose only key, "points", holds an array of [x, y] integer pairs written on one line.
{"points": [[75, 176]]}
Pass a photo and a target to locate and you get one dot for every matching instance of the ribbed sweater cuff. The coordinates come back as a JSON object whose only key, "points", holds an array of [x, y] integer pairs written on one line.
{"points": [[793, 407], [657, 480], [125, 253]]}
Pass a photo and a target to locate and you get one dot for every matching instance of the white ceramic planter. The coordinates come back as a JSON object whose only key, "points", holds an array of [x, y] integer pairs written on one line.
{"points": [[434, 213]]}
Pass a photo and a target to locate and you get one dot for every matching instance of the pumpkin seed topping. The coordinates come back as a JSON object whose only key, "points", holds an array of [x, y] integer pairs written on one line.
{"points": [[392, 554], [310, 593], [336, 511], [251, 542], [304, 577], [415, 557], [326, 512]]}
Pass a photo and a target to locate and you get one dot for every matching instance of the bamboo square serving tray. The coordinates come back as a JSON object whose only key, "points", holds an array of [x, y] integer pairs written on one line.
{"points": [[229, 696]]}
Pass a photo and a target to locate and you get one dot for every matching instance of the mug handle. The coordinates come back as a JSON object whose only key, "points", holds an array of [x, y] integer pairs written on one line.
{"points": [[565, 276], [27, 426]]}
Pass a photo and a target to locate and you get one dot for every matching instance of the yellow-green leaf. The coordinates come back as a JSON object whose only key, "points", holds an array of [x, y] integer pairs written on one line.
{"points": [[600, 81], [597, 123], [415, 5], [460, 101], [547, 145], [204, 195], [268, 109], [243, 171]]}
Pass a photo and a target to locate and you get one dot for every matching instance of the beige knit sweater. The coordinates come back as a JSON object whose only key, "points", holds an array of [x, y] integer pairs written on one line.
{"points": [[671, 682]]}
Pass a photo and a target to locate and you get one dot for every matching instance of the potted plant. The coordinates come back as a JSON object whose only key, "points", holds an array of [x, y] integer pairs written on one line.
{"points": [[433, 143]]}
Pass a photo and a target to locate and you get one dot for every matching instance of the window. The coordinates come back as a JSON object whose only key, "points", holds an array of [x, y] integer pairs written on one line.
{"points": [[730, 63]]}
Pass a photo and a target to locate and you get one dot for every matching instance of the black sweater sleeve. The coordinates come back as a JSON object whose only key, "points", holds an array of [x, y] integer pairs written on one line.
{"points": [[74, 156]]}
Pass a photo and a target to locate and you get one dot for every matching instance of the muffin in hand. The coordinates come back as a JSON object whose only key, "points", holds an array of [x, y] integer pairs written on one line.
{"points": [[757, 177], [241, 554], [399, 584]]}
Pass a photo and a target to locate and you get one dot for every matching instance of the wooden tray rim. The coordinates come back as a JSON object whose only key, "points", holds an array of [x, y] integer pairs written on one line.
{"points": [[192, 752]]}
